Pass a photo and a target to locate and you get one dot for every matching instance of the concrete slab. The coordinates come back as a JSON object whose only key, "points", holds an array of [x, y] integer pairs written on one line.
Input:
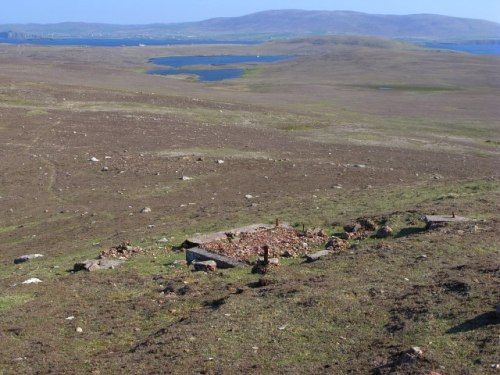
{"points": [[443, 219], [200, 255]]}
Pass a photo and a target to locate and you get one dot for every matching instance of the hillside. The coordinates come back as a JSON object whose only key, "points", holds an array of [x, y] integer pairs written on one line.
{"points": [[280, 23]]}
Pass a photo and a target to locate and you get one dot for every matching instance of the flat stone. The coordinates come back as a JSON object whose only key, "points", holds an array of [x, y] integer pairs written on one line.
{"points": [[196, 254], [444, 218], [314, 257], [91, 265], [26, 258], [206, 266], [33, 280]]}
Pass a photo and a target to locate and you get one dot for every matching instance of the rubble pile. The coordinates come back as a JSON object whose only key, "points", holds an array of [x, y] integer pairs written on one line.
{"points": [[358, 230], [282, 241], [122, 251]]}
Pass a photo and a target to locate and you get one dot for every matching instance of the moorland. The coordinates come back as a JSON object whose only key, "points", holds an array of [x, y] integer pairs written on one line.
{"points": [[351, 127]]}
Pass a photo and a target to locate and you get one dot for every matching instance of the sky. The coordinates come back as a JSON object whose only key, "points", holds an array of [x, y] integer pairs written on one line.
{"points": [[167, 11]]}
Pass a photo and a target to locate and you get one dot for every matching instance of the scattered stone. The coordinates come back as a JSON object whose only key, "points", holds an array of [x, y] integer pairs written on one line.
{"points": [[384, 232], [264, 267], [205, 266], [359, 166], [94, 159], [248, 196], [33, 280], [26, 258], [91, 265], [186, 178], [220, 161], [145, 210], [162, 240], [314, 257], [336, 244], [123, 251], [366, 223], [353, 228], [79, 329], [70, 317], [105, 169]]}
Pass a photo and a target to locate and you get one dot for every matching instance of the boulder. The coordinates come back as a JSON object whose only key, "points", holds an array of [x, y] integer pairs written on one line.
{"points": [[384, 232]]}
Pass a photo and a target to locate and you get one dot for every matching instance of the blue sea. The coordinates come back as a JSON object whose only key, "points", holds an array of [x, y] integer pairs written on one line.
{"points": [[120, 42]]}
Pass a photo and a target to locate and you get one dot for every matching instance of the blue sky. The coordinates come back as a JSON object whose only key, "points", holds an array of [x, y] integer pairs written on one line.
{"points": [[150, 11]]}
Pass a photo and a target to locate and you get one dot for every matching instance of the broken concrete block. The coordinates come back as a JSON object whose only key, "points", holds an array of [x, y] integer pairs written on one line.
{"points": [[314, 257], [196, 254]]}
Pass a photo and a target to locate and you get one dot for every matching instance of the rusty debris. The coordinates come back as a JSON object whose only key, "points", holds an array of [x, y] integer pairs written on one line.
{"points": [[280, 240]]}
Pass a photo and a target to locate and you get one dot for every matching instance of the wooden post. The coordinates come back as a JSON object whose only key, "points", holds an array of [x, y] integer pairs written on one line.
{"points": [[277, 222], [266, 254], [453, 214], [303, 228]]}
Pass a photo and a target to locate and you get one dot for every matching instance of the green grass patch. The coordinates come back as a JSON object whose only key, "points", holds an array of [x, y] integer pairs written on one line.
{"points": [[8, 302]]}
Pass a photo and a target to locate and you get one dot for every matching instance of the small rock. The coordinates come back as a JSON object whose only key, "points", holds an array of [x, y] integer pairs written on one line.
{"points": [[220, 161], [185, 178], [33, 280], [384, 232], [25, 258], [206, 266], [145, 210], [314, 257], [70, 317], [359, 166], [94, 159], [79, 329], [162, 240], [417, 351], [248, 196], [105, 169]]}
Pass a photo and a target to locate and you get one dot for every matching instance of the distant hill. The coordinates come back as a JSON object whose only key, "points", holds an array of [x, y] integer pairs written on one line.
{"points": [[281, 24]]}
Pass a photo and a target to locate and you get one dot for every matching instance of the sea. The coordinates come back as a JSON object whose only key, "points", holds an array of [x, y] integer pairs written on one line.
{"points": [[95, 42]]}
